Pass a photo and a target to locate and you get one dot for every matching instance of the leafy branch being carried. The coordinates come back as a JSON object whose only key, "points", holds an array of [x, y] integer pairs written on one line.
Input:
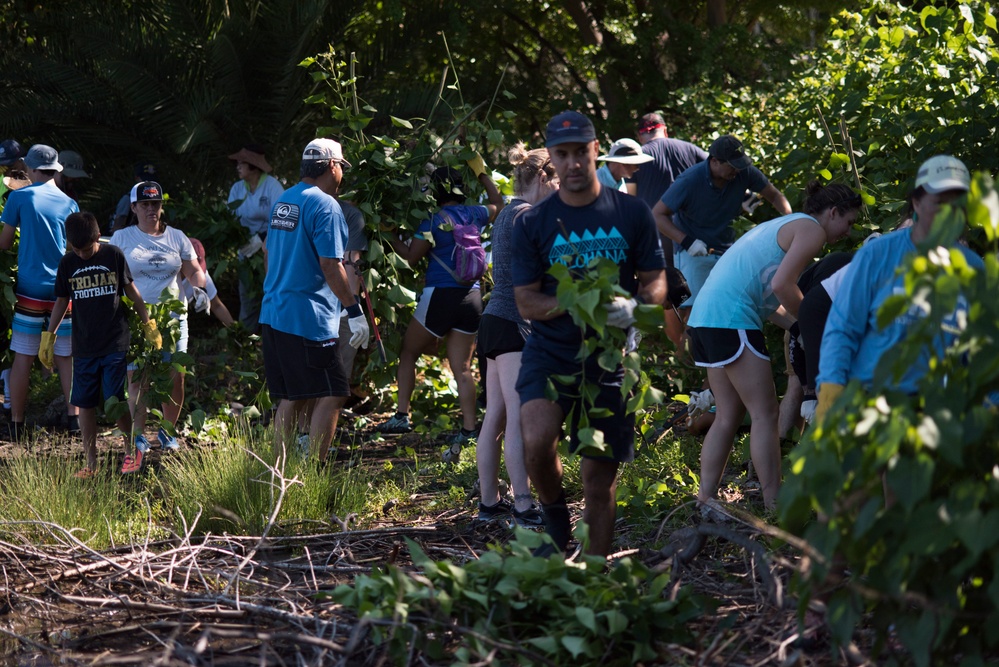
{"points": [[582, 294]]}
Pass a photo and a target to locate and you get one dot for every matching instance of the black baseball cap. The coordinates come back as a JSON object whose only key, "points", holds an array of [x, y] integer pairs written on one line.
{"points": [[727, 148], [569, 127], [145, 170], [146, 191]]}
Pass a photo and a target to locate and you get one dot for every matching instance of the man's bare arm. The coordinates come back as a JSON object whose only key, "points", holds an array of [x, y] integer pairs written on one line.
{"points": [[776, 199], [336, 278], [664, 223], [534, 305]]}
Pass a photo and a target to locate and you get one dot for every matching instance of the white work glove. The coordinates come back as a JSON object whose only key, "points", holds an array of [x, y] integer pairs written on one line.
{"points": [[202, 304], [251, 247], [621, 312], [698, 249], [359, 331], [700, 401], [751, 202], [808, 410]]}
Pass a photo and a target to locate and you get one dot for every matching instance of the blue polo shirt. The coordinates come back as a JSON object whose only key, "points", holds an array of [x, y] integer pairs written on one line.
{"points": [[306, 224], [705, 211]]}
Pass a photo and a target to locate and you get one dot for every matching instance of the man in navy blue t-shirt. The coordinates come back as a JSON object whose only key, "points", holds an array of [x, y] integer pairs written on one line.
{"points": [[697, 211], [581, 221]]}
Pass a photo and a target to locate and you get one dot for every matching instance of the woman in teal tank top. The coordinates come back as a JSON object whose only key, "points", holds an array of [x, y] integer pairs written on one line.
{"points": [[757, 279]]}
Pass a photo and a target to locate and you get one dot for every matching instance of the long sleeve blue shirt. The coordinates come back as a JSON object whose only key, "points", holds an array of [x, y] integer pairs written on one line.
{"points": [[852, 344]]}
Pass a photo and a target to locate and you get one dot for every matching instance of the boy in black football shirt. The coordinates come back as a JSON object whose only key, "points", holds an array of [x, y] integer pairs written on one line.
{"points": [[94, 276]]}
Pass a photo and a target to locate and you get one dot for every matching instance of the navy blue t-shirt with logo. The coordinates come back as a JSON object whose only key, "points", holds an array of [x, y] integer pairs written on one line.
{"points": [[615, 225]]}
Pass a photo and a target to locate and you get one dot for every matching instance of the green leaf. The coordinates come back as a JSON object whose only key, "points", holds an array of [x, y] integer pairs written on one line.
{"points": [[909, 478], [577, 646], [587, 618], [617, 622], [547, 644], [401, 296], [928, 11]]}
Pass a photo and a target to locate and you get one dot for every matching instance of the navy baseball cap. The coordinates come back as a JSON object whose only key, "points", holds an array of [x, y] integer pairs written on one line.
{"points": [[569, 127], [727, 148], [10, 152], [145, 170]]}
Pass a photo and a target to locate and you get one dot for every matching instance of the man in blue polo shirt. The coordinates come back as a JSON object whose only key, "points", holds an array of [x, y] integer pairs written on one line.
{"points": [[697, 211], [305, 290]]}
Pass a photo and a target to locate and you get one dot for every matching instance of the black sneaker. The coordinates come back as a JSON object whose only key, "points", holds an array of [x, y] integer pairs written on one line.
{"points": [[548, 549], [529, 518], [500, 510]]}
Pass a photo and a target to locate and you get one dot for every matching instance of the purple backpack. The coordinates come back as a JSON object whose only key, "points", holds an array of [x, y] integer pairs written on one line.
{"points": [[468, 255]]}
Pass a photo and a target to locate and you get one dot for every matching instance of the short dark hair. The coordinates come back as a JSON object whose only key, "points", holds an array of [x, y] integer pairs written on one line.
{"points": [[314, 168], [82, 229]]}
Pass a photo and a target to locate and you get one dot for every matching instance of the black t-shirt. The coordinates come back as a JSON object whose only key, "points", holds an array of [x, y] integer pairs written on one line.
{"points": [[822, 269], [95, 286], [615, 225]]}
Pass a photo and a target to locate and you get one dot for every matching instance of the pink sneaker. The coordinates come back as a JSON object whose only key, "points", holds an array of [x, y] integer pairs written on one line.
{"points": [[132, 463]]}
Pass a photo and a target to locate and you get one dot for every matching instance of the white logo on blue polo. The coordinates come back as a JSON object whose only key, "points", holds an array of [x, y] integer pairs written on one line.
{"points": [[285, 217]]}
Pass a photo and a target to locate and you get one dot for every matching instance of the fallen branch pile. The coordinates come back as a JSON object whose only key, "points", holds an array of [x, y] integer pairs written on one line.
{"points": [[215, 600]]}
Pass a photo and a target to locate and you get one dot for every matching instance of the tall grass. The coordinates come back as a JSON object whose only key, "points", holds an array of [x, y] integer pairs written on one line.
{"points": [[230, 487], [236, 485], [41, 498]]}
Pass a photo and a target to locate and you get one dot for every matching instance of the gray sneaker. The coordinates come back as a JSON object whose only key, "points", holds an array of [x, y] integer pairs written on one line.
{"points": [[395, 424]]}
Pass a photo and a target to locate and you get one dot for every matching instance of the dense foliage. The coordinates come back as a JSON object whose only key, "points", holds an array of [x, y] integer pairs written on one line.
{"points": [[907, 487]]}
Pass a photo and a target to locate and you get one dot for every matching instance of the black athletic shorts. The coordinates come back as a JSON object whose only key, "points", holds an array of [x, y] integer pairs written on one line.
{"points": [[717, 348], [297, 368], [498, 336], [537, 380], [445, 309]]}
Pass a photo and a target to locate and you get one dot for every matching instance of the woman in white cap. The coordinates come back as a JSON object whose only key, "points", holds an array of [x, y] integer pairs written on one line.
{"points": [[159, 257], [853, 343], [251, 199], [621, 163]]}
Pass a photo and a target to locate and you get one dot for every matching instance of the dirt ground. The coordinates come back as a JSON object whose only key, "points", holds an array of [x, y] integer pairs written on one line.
{"points": [[168, 603]]}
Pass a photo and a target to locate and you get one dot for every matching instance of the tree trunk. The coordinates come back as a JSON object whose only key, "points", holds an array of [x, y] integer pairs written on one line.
{"points": [[716, 13]]}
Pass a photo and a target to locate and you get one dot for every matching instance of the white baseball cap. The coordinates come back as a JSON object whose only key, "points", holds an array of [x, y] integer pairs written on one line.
{"points": [[324, 149], [942, 173]]}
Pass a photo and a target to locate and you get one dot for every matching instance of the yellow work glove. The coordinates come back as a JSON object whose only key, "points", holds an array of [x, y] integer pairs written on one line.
{"points": [[477, 165], [46, 351], [828, 393], [152, 334]]}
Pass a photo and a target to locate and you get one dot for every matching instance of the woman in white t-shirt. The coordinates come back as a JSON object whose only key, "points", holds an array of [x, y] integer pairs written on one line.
{"points": [[158, 256], [251, 198]]}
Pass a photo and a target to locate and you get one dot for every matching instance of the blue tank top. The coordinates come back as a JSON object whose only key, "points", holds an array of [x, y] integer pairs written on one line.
{"points": [[739, 293]]}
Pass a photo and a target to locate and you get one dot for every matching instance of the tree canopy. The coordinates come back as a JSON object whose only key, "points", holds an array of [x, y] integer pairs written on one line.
{"points": [[184, 84]]}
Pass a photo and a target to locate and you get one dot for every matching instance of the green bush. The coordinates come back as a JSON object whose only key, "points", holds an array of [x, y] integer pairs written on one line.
{"points": [[512, 608]]}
